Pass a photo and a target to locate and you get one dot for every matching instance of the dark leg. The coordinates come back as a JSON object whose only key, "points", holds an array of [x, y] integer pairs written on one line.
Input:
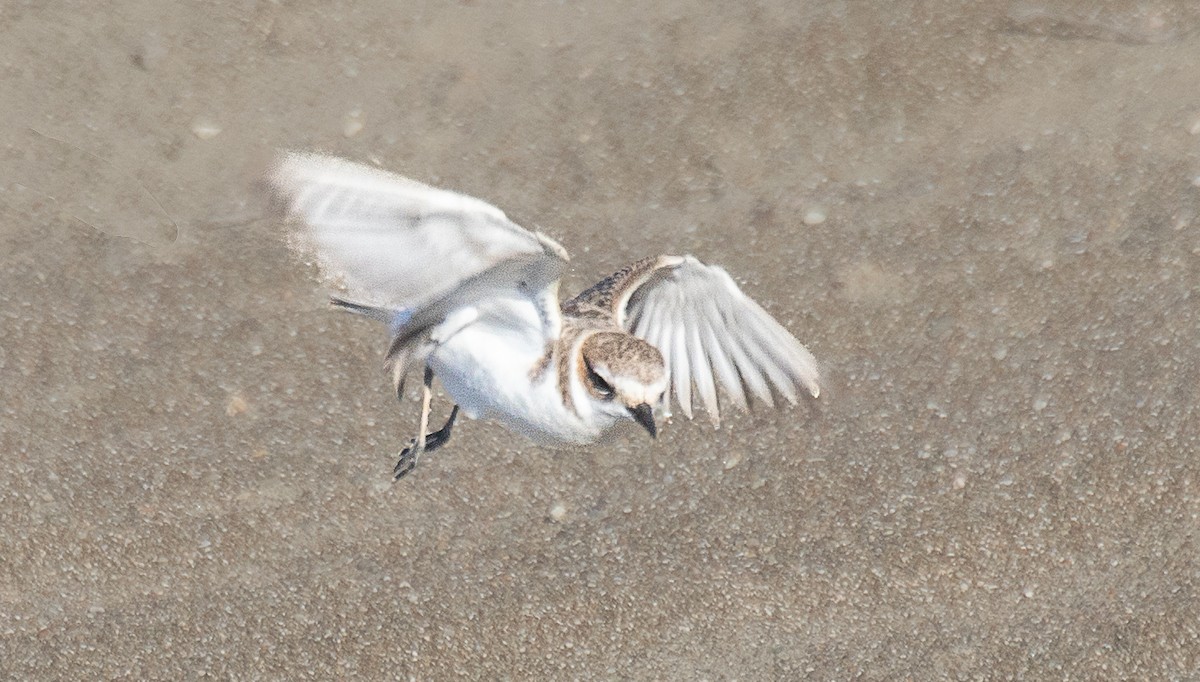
{"points": [[410, 454], [438, 438], [424, 442]]}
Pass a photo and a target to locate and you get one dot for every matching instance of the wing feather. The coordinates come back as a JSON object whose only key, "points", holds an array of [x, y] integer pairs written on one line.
{"points": [[722, 364], [682, 374], [710, 333], [397, 242], [770, 365], [702, 372], [659, 336], [747, 367]]}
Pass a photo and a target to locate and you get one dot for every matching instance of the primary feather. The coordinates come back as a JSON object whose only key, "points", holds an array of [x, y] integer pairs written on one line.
{"points": [[710, 333], [395, 241]]}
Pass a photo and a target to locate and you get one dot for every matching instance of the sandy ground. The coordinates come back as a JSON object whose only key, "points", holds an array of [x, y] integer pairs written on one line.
{"points": [[1000, 482]]}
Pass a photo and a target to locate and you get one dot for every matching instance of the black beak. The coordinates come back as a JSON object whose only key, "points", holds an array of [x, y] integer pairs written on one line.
{"points": [[644, 415]]}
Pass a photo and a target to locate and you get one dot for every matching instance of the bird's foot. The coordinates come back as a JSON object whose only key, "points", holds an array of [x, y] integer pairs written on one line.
{"points": [[407, 462], [433, 441]]}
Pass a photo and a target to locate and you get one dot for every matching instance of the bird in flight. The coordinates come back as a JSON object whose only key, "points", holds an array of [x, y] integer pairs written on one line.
{"points": [[472, 298]]}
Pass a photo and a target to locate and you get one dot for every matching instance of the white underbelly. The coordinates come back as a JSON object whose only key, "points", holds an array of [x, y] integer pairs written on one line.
{"points": [[488, 376]]}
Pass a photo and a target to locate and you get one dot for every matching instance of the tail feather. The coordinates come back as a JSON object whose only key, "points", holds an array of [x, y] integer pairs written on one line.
{"points": [[381, 314], [400, 354]]}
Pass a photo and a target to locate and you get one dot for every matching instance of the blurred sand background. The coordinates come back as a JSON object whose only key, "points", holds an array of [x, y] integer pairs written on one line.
{"points": [[981, 217]]}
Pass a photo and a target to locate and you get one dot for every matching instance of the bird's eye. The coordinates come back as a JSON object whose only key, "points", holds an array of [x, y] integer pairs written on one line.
{"points": [[598, 383]]}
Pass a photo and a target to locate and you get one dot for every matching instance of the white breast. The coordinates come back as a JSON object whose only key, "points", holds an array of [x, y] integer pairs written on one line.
{"points": [[486, 368]]}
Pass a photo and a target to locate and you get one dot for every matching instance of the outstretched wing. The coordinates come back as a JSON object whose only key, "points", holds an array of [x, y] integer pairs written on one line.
{"points": [[708, 331], [397, 242]]}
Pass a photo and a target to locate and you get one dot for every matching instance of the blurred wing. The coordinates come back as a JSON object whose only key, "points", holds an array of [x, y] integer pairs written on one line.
{"points": [[397, 242], [709, 332]]}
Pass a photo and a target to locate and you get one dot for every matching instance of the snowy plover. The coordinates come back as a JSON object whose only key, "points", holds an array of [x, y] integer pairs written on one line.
{"points": [[473, 299]]}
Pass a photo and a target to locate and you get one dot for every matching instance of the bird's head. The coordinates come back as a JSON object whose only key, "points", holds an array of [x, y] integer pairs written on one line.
{"points": [[625, 375]]}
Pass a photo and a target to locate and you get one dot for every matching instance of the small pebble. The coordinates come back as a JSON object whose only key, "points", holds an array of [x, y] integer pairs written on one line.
{"points": [[558, 512], [352, 124], [814, 216], [235, 406], [205, 129]]}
